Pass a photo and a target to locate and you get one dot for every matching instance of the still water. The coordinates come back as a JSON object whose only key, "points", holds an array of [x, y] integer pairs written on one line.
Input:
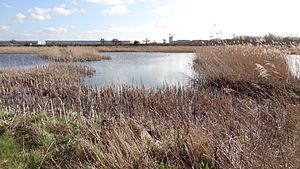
{"points": [[130, 68], [143, 69], [17, 61]]}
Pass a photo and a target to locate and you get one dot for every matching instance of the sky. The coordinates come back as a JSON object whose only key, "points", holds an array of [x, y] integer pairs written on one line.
{"points": [[141, 19]]}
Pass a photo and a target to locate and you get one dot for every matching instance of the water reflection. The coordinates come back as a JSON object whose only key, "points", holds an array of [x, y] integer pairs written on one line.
{"points": [[136, 69], [11, 61], [141, 68]]}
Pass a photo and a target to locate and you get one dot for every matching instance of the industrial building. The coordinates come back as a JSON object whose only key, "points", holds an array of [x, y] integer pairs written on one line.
{"points": [[86, 43], [18, 43]]}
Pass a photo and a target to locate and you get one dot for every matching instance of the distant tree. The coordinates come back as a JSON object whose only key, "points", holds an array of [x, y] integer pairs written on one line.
{"points": [[115, 41], [136, 42], [146, 41], [13, 41], [270, 38], [102, 41]]}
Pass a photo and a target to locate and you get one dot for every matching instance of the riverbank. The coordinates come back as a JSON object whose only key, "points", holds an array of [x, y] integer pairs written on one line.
{"points": [[242, 112], [90, 52], [59, 54]]}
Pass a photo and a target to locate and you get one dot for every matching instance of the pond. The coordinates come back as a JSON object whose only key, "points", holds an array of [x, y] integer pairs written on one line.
{"points": [[17, 61], [130, 68], [143, 69]]}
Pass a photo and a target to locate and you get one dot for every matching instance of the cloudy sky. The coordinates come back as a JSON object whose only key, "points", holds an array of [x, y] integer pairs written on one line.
{"points": [[141, 19]]}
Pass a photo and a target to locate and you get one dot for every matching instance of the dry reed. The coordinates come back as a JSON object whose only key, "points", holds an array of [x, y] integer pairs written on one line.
{"points": [[60, 54], [171, 127], [246, 69]]}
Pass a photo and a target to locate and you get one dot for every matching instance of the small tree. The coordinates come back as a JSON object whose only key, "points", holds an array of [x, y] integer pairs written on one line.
{"points": [[115, 41], [102, 41], [136, 42], [13, 41]]}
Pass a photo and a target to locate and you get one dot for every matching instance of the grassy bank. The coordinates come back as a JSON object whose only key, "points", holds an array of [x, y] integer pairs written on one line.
{"points": [[60, 54], [243, 114], [85, 53]]}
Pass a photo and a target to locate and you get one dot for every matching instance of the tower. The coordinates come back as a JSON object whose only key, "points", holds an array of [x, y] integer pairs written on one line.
{"points": [[171, 38]]}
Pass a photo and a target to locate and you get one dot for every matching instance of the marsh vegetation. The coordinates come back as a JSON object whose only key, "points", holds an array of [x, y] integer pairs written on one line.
{"points": [[60, 54], [242, 111]]}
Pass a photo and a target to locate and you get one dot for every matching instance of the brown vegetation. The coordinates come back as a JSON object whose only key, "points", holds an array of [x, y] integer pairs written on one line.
{"points": [[174, 49], [60, 54], [244, 114], [246, 68]]}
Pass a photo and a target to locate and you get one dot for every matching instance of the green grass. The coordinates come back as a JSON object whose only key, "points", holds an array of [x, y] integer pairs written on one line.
{"points": [[12, 154]]}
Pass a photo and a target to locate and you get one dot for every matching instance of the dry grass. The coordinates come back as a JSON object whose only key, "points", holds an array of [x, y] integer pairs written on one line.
{"points": [[246, 69], [74, 54], [174, 49], [295, 50], [180, 128], [236, 63], [28, 91], [14, 49], [60, 54], [174, 127]]}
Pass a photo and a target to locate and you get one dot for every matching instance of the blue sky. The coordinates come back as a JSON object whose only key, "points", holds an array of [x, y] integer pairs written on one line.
{"points": [[141, 19]]}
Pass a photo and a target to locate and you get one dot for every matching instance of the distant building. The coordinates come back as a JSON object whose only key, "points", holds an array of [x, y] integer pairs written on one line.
{"points": [[18, 43], [171, 38], [72, 43], [4, 43], [182, 42], [86, 43], [27, 43], [41, 42]]}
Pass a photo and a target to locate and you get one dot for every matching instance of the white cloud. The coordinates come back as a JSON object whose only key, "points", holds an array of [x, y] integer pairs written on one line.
{"points": [[19, 17], [154, 30], [116, 10], [150, 0], [41, 14], [130, 2], [108, 2], [5, 5], [193, 19], [4, 28], [62, 11], [74, 3], [112, 2], [52, 30]]}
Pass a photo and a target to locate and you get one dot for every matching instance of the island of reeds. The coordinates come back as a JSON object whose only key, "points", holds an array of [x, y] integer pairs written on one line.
{"points": [[241, 111], [59, 54]]}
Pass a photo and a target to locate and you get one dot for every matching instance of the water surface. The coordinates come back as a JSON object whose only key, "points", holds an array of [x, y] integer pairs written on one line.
{"points": [[20, 61], [130, 68], [143, 69]]}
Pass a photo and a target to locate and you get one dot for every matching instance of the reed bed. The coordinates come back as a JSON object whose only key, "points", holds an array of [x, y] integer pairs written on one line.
{"points": [[26, 91], [171, 49], [60, 54], [256, 70], [171, 127], [22, 49], [71, 54], [55, 121], [294, 50]]}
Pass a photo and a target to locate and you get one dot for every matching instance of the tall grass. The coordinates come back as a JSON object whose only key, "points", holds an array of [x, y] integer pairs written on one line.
{"points": [[60, 54], [246, 69], [75, 54]]}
